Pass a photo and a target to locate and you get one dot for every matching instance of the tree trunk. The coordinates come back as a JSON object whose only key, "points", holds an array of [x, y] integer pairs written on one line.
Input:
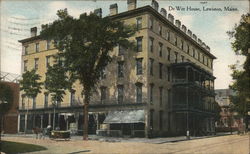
{"points": [[86, 113], [26, 120]]}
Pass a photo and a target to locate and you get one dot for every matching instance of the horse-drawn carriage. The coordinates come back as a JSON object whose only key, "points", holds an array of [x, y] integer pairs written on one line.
{"points": [[53, 134]]}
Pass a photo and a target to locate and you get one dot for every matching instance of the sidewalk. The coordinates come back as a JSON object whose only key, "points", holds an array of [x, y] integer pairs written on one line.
{"points": [[159, 140]]}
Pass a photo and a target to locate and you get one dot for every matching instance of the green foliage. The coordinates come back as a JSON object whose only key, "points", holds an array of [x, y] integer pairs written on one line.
{"points": [[241, 34], [30, 84], [57, 81], [6, 97], [15, 147], [86, 43], [241, 76], [217, 109]]}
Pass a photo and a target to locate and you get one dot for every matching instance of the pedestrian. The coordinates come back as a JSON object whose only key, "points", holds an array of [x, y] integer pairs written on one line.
{"points": [[49, 131]]}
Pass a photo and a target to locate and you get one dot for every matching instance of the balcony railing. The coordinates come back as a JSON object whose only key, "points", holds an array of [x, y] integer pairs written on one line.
{"points": [[76, 105], [192, 107]]}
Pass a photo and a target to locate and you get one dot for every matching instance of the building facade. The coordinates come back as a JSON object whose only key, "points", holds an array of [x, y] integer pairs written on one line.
{"points": [[229, 120], [163, 87]]}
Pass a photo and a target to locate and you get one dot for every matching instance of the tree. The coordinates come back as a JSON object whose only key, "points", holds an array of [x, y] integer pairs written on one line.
{"points": [[6, 101], [85, 45], [30, 86], [241, 76], [56, 82]]}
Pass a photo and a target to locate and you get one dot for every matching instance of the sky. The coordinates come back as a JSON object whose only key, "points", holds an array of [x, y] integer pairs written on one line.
{"points": [[17, 17]]}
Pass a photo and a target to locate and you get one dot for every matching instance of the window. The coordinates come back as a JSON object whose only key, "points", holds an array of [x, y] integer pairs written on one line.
{"points": [[121, 50], [103, 94], [37, 47], [160, 49], [151, 88], [160, 119], [47, 61], [176, 57], [182, 44], [138, 66], [23, 103], [139, 44], [25, 50], [182, 58], [169, 71], [151, 63], [203, 59], [36, 63], [25, 65], [34, 102], [151, 44], [168, 35], [160, 92], [160, 70], [169, 49], [188, 49], [199, 58], [151, 23], [176, 39], [120, 94], [46, 100], [193, 52], [48, 44], [160, 29], [72, 97], [138, 23], [139, 93], [120, 69]]}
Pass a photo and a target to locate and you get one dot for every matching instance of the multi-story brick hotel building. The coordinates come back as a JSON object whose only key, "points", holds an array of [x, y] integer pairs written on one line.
{"points": [[164, 87]]}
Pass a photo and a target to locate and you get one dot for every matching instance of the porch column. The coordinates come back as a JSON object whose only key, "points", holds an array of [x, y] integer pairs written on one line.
{"points": [[193, 75], [49, 120], [97, 121], [187, 135], [18, 123], [25, 123], [41, 121], [186, 68], [77, 119]]}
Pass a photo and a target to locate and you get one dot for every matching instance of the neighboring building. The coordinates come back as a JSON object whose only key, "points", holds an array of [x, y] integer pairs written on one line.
{"points": [[229, 121], [152, 91], [10, 119]]}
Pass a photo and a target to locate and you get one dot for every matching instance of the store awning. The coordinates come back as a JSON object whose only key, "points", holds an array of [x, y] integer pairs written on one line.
{"points": [[126, 116]]}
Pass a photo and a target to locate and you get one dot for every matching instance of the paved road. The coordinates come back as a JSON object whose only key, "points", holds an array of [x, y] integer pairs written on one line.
{"points": [[231, 144]]}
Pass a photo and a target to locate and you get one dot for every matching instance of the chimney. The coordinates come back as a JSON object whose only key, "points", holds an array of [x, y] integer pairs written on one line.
{"points": [[204, 45], [171, 17], [208, 48], [113, 9], [164, 12], [194, 37], [184, 28], [33, 31], [199, 41], [190, 33], [131, 4], [155, 5], [178, 23], [98, 12]]}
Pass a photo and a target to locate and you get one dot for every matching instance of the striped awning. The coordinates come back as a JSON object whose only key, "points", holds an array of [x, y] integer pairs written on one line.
{"points": [[125, 116]]}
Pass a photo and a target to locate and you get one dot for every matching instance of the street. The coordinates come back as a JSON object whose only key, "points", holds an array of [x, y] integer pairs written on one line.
{"points": [[230, 144]]}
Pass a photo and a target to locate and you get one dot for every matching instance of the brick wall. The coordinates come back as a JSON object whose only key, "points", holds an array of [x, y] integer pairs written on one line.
{"points": [[10, 120]]}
